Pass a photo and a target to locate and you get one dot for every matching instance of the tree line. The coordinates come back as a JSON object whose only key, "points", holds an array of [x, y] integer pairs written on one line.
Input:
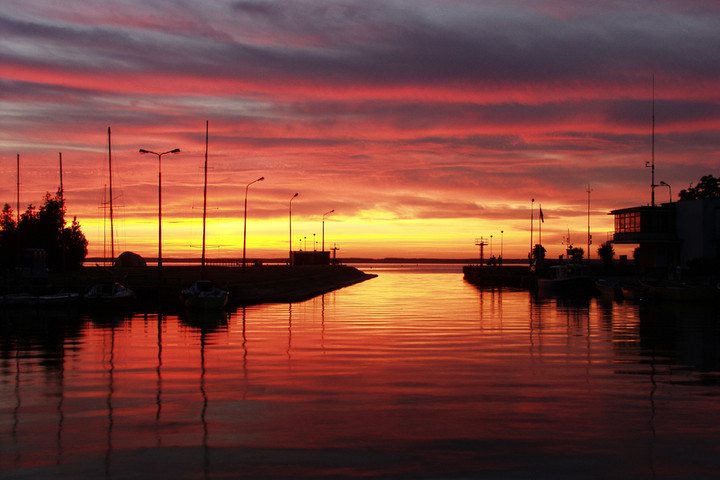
{"points": [[43, 228]]}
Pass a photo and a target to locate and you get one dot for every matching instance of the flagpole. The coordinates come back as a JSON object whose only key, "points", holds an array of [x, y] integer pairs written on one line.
{"points": [[540, 222]]}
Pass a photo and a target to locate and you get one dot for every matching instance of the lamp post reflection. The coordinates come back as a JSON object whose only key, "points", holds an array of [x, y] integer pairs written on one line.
{"points": [[245, 217]]}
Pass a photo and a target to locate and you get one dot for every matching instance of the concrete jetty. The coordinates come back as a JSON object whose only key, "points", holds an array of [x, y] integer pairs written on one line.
{"points": [[252, 285]]}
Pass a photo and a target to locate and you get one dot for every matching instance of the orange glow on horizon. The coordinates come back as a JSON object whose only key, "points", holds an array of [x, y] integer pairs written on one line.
{"points": [[422, 133]]}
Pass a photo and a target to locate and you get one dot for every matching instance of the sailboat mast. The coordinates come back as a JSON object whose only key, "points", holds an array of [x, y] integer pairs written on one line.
{"points": [[104, 209], [202, 263], [652, 184], [61, 179], [112, 235], [18, 189]]}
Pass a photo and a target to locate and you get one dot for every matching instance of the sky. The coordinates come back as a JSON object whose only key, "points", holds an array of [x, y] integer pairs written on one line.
{"points": [[424, 125]]}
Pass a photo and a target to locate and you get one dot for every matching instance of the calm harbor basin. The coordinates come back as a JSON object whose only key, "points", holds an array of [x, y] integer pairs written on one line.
{"points": [[413, 374]]}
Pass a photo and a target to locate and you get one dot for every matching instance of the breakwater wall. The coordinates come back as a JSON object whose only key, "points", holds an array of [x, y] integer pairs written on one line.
{"points": [[252, 285], [518, 276]]}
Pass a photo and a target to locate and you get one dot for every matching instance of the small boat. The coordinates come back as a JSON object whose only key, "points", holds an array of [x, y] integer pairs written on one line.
{"points": [[17, 299], [566, 279], [109, 293], [609, 289], [632, 292], [203, 294], [60, 298]]}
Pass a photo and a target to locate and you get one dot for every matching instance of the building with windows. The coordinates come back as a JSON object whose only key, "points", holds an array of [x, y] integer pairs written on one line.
{"points": [[671, 235]]}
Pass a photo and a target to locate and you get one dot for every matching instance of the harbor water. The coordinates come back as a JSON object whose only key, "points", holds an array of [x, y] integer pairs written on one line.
{"points": [[413, 374]]}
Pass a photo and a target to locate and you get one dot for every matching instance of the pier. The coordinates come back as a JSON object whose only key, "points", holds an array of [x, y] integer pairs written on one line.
{"points": [[253, 285]]}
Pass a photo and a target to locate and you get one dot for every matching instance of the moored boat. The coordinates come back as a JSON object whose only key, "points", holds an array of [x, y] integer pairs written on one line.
{"points": [[205, 295], [17, 299], [609, 288], [109, 293], [57, 299], [632, 291], [566, 279]]}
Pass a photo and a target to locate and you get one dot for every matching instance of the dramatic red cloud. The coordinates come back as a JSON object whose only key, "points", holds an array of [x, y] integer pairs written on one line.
{"points": [[424, 125]]}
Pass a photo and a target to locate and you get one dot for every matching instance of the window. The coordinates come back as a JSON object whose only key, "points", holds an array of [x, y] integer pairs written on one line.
{"points": [[627, 222]]}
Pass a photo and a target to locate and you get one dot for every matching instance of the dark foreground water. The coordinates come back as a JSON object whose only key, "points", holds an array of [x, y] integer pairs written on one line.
{"points": [[414, 374]]}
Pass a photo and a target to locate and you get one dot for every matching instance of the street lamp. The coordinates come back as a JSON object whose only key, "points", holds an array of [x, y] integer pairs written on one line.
{"points": [[532, 204], [290, 262], [159, 155], [323, 225], [669, 188], [245, 220]]}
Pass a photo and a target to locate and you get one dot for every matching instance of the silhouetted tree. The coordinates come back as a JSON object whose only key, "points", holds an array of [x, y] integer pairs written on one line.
{"points": [[8, 237], [44, 228], [75, 244], [575, 254], [709, 187], [606, 252], [538, 253]]}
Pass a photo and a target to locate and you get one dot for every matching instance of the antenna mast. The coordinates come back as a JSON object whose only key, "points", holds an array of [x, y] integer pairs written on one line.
{"points": [[652, 184], [62, 196], [18, 189], [112, 233], [589, 236], [202, 262]]}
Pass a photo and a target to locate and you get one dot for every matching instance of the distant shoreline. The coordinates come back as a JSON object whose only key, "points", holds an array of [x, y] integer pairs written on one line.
{"points": [[228, 261]]}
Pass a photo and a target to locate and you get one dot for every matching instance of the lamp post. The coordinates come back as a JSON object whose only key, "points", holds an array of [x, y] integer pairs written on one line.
{"points": [[323, 225], [532, 204], [669, 188], [245, 219], [159, 155], [290, 262]]}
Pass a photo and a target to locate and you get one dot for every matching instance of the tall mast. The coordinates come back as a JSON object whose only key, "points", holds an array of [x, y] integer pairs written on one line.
{"points": [[61, 180], [112, 229], [589, 235], [652, 184], [202, 263], [18, 189], [104, 209]]}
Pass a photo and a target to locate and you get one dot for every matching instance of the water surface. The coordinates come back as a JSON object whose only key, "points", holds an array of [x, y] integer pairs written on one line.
{"points": [[413, 374]]}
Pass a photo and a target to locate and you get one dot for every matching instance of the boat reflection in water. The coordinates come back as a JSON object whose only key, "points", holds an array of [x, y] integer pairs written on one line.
{"points": [[416, 373]]}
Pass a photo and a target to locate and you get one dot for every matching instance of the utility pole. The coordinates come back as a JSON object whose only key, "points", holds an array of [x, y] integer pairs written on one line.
{"points": [[589, 236], [652, 163], [18, 189]]}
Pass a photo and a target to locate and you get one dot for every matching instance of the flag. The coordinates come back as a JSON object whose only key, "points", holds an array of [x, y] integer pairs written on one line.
{"points": [[542, 219]]}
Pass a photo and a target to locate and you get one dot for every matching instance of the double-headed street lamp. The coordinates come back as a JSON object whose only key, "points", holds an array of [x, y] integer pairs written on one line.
{"points": [[159, 155], [245, 220], [290, 262], [323, 225]]}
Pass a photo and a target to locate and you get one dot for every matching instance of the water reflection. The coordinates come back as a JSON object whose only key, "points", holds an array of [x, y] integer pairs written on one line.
{"points": [[412, 374]]}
